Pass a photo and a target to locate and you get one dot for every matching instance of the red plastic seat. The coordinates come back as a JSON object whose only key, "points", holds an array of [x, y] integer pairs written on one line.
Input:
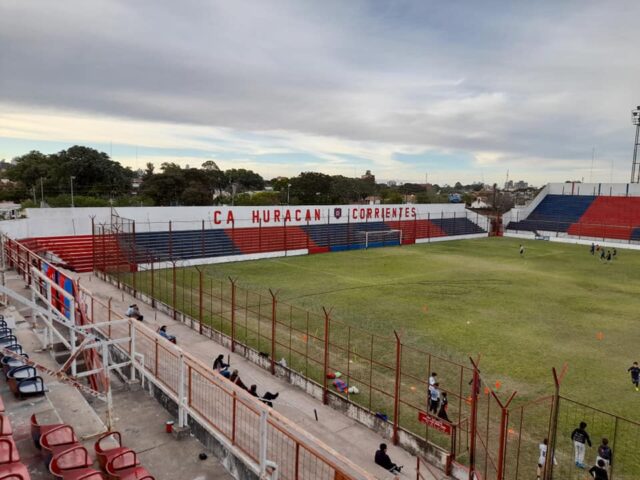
{"points": [[126, 466], [105, 455], [56, 441], [8, 451], [37, 430], [73, 464], [5, 426], [70, 458], [14, 471]]}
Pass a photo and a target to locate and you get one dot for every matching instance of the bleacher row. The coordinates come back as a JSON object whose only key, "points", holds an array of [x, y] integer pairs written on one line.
{"points": [[80, 252], [186, 244], [585, 216]]}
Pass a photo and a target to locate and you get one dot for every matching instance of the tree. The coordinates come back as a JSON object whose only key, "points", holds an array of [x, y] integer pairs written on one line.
{"points": [[30, 168], [210, 166], [311, 188], [93, 171], [245, 180], [148, 171]]}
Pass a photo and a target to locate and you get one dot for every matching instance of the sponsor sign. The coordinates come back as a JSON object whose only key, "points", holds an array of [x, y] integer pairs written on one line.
{"points": [[435, 423]]}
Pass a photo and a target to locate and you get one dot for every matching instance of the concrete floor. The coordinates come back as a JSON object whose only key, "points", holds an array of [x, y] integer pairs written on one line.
{"points": [[343, 434]]}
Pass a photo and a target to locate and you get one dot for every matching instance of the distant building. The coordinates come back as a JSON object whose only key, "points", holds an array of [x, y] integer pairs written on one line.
{"points": [[368, 176]]}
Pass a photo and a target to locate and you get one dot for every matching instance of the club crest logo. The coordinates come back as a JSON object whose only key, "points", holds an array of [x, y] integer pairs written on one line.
{"points": [[337, 212]]}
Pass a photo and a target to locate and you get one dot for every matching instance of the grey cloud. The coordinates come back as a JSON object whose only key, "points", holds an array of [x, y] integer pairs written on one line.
{"points": [[539, 80]]}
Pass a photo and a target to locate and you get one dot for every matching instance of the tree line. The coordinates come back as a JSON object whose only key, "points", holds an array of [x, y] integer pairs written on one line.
{"points": [[97, 180]]}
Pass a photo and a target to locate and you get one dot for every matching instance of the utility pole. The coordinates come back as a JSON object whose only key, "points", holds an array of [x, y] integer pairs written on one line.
{"points": [[41, 193], [35, 200], [635, 166], [71, 178]]}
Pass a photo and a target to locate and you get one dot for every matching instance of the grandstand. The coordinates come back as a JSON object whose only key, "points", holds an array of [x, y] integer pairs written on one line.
{"points": [[132, 247], [155, 235], [597, 212]]}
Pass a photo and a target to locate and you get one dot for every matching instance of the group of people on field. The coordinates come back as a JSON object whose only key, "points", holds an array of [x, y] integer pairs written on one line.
{"points": [[581, 439], [607, 256]]}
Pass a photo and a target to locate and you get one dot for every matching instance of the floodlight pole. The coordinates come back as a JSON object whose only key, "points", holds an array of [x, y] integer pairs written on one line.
{"points": [[635, 166]]}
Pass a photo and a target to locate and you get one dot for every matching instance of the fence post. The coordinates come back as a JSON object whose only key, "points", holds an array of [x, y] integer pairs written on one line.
{"points": [[233, 314], [615, 437], [93, 244], [202, 246], [285, 237], [200, 299], [175, 299], [396, 390], [325, 384], [153, 281], [504, 419], [109, 316], [134, 260], [475, 387], [170, 240], [553, 428], [274, 304]]}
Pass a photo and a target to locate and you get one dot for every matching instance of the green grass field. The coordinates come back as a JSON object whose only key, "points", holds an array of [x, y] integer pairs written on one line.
{"points": [[524, 315], [456, 299]]}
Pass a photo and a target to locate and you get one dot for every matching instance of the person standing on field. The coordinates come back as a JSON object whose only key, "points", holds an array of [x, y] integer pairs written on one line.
{"points": [[605, 453], [598, 471], [521, 250], [542, 459], [444, 403], [635, 374], [580, 437], [434, 399]]}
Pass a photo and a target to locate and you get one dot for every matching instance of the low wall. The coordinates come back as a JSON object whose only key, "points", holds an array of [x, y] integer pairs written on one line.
{"points": [[407, 440], [554, 237]]}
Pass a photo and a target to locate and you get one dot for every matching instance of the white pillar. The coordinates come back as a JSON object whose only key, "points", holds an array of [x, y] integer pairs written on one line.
{"points": [[263, 441], [182, 412]]}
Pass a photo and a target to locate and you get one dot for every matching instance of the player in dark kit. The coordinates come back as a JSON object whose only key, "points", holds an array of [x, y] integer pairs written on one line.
{"points": [[635, 374]]}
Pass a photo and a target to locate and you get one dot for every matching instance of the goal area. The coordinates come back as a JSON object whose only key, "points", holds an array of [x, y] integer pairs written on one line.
{"points": [[380, 238]]}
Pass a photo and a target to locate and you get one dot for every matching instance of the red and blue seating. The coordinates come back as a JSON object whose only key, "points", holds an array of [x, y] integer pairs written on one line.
{"points": [[614, 217]]}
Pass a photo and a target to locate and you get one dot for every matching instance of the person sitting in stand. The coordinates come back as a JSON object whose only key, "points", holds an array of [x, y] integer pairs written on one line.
{"points": [[266, 398], [134, 312], [162, 331], [384, 461], [221, 367], [236, 379]]}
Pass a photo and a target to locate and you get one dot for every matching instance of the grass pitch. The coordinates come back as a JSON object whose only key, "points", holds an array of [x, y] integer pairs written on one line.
{"points": [[525, 315]]}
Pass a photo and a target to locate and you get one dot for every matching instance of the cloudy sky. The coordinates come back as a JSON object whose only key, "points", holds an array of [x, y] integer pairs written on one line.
{"points": [[458, 90]]}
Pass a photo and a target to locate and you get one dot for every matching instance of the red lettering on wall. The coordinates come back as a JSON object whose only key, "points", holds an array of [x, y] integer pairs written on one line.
{"points": [[255, 216], [266, 216], [369, 212], [413, 211], [354, 214], [216, 217], [287, 216], [388, 210], [316, 214], [307, 215], [376, 213], [230, 218], [298, 215], [276, 215]]}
